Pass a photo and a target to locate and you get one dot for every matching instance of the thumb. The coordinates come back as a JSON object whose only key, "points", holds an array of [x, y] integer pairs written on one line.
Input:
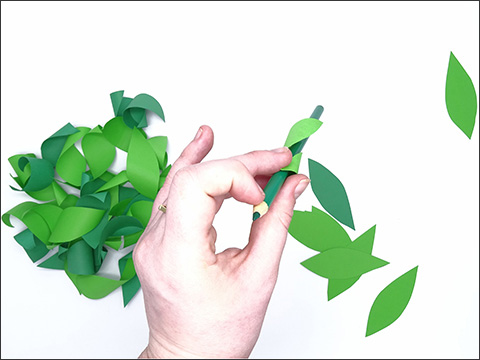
{"points": [[269, 233]]}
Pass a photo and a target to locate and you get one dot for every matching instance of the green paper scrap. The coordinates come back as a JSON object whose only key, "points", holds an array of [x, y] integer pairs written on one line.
{"points": [[41, 173], [71, 165], [391, 302], [302, 129], [99, 153], [330, 193], [294, 164], [460, 97], [104, 212], [317, 230], [34, 248], [53, 146], [342, 263], [143, 170], [363, 243]]}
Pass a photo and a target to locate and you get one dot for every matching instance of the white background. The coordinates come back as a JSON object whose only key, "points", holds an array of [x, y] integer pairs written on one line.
{"points": [[250, 70]]}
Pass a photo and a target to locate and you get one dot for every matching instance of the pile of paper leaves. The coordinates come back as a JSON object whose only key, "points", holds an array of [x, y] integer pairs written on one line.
{"points": [[85, 208], [341, 260]]}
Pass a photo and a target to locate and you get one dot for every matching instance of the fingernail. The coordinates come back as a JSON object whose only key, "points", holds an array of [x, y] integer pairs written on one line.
{"points": [[302, 185], [280, 150], [199, 133]]}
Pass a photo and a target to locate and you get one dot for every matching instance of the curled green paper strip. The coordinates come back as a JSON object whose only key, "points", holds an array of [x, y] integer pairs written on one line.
{"points": [[391, 302], [342, 263], [41, 170], [460, 97], [330, 193], [34, 248], [53, 146]]}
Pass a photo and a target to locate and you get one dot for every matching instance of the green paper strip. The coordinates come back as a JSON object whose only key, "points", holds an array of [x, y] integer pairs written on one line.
{"points": [[99, 153], [342, 263], [53, 146], [460, 97], [317, 230], [363, 243], [391, 302], [22, 174], [18, 212], [72, 139], [142, 166], [75, 222], [331, 193]]}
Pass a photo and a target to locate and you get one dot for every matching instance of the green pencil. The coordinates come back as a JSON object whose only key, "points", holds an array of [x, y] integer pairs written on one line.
{"points": [[277, 179]]}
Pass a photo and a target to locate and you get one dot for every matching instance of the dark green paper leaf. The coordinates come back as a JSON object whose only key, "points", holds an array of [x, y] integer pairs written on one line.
{"points": [[330, 193]]}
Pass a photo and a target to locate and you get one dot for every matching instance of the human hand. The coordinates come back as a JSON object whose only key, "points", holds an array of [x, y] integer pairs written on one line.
{"points": [[198, 303]]}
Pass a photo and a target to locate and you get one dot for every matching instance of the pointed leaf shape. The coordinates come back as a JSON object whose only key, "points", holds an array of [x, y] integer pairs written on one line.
{"points": [[99, 153], [330, 193], [71, 165], [363, 243], [391, 302], [143, 170], [342, 263], [118, 133], [460, 97], [317, 230], [75, 222], [52, 147], [301, 130]]}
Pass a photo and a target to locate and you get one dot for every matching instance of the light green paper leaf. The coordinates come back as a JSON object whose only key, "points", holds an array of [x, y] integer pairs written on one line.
{"points": [[119, 179], [391, 302], [342, 263], [302, 129], [72, 139], [363, 243], [71, 165], [460, 97], [330, 193], [18, 212], [142, 166], [159, 145], [99, 153], [317, 230], [294, 164], [75, 222]]}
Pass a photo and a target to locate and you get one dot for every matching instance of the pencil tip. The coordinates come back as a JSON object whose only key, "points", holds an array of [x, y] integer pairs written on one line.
{"points": [[256, 215]]}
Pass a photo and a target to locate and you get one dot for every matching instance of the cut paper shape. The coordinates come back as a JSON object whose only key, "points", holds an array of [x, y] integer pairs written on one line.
{"points": [[363, 243], [342, 263], [107, 212], [391, 302], [53, 146], [143, 170], [331, 193], [294, 164], [99, 152], [317, 230], [301, 130], [460, 97]]}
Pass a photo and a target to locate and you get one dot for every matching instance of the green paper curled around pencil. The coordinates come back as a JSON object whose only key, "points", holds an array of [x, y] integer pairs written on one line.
{"points": [[296, 140]]}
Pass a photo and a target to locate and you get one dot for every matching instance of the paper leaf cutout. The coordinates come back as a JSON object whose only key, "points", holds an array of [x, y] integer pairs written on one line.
{"points": [[302, 129], [317, 230], [294, 164], [391, 302], [460, 97], [41, 170], [143, 170], [330, 193], [342, 263], [363, 243], [99, 153], [71, 165], [52, 147]]}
